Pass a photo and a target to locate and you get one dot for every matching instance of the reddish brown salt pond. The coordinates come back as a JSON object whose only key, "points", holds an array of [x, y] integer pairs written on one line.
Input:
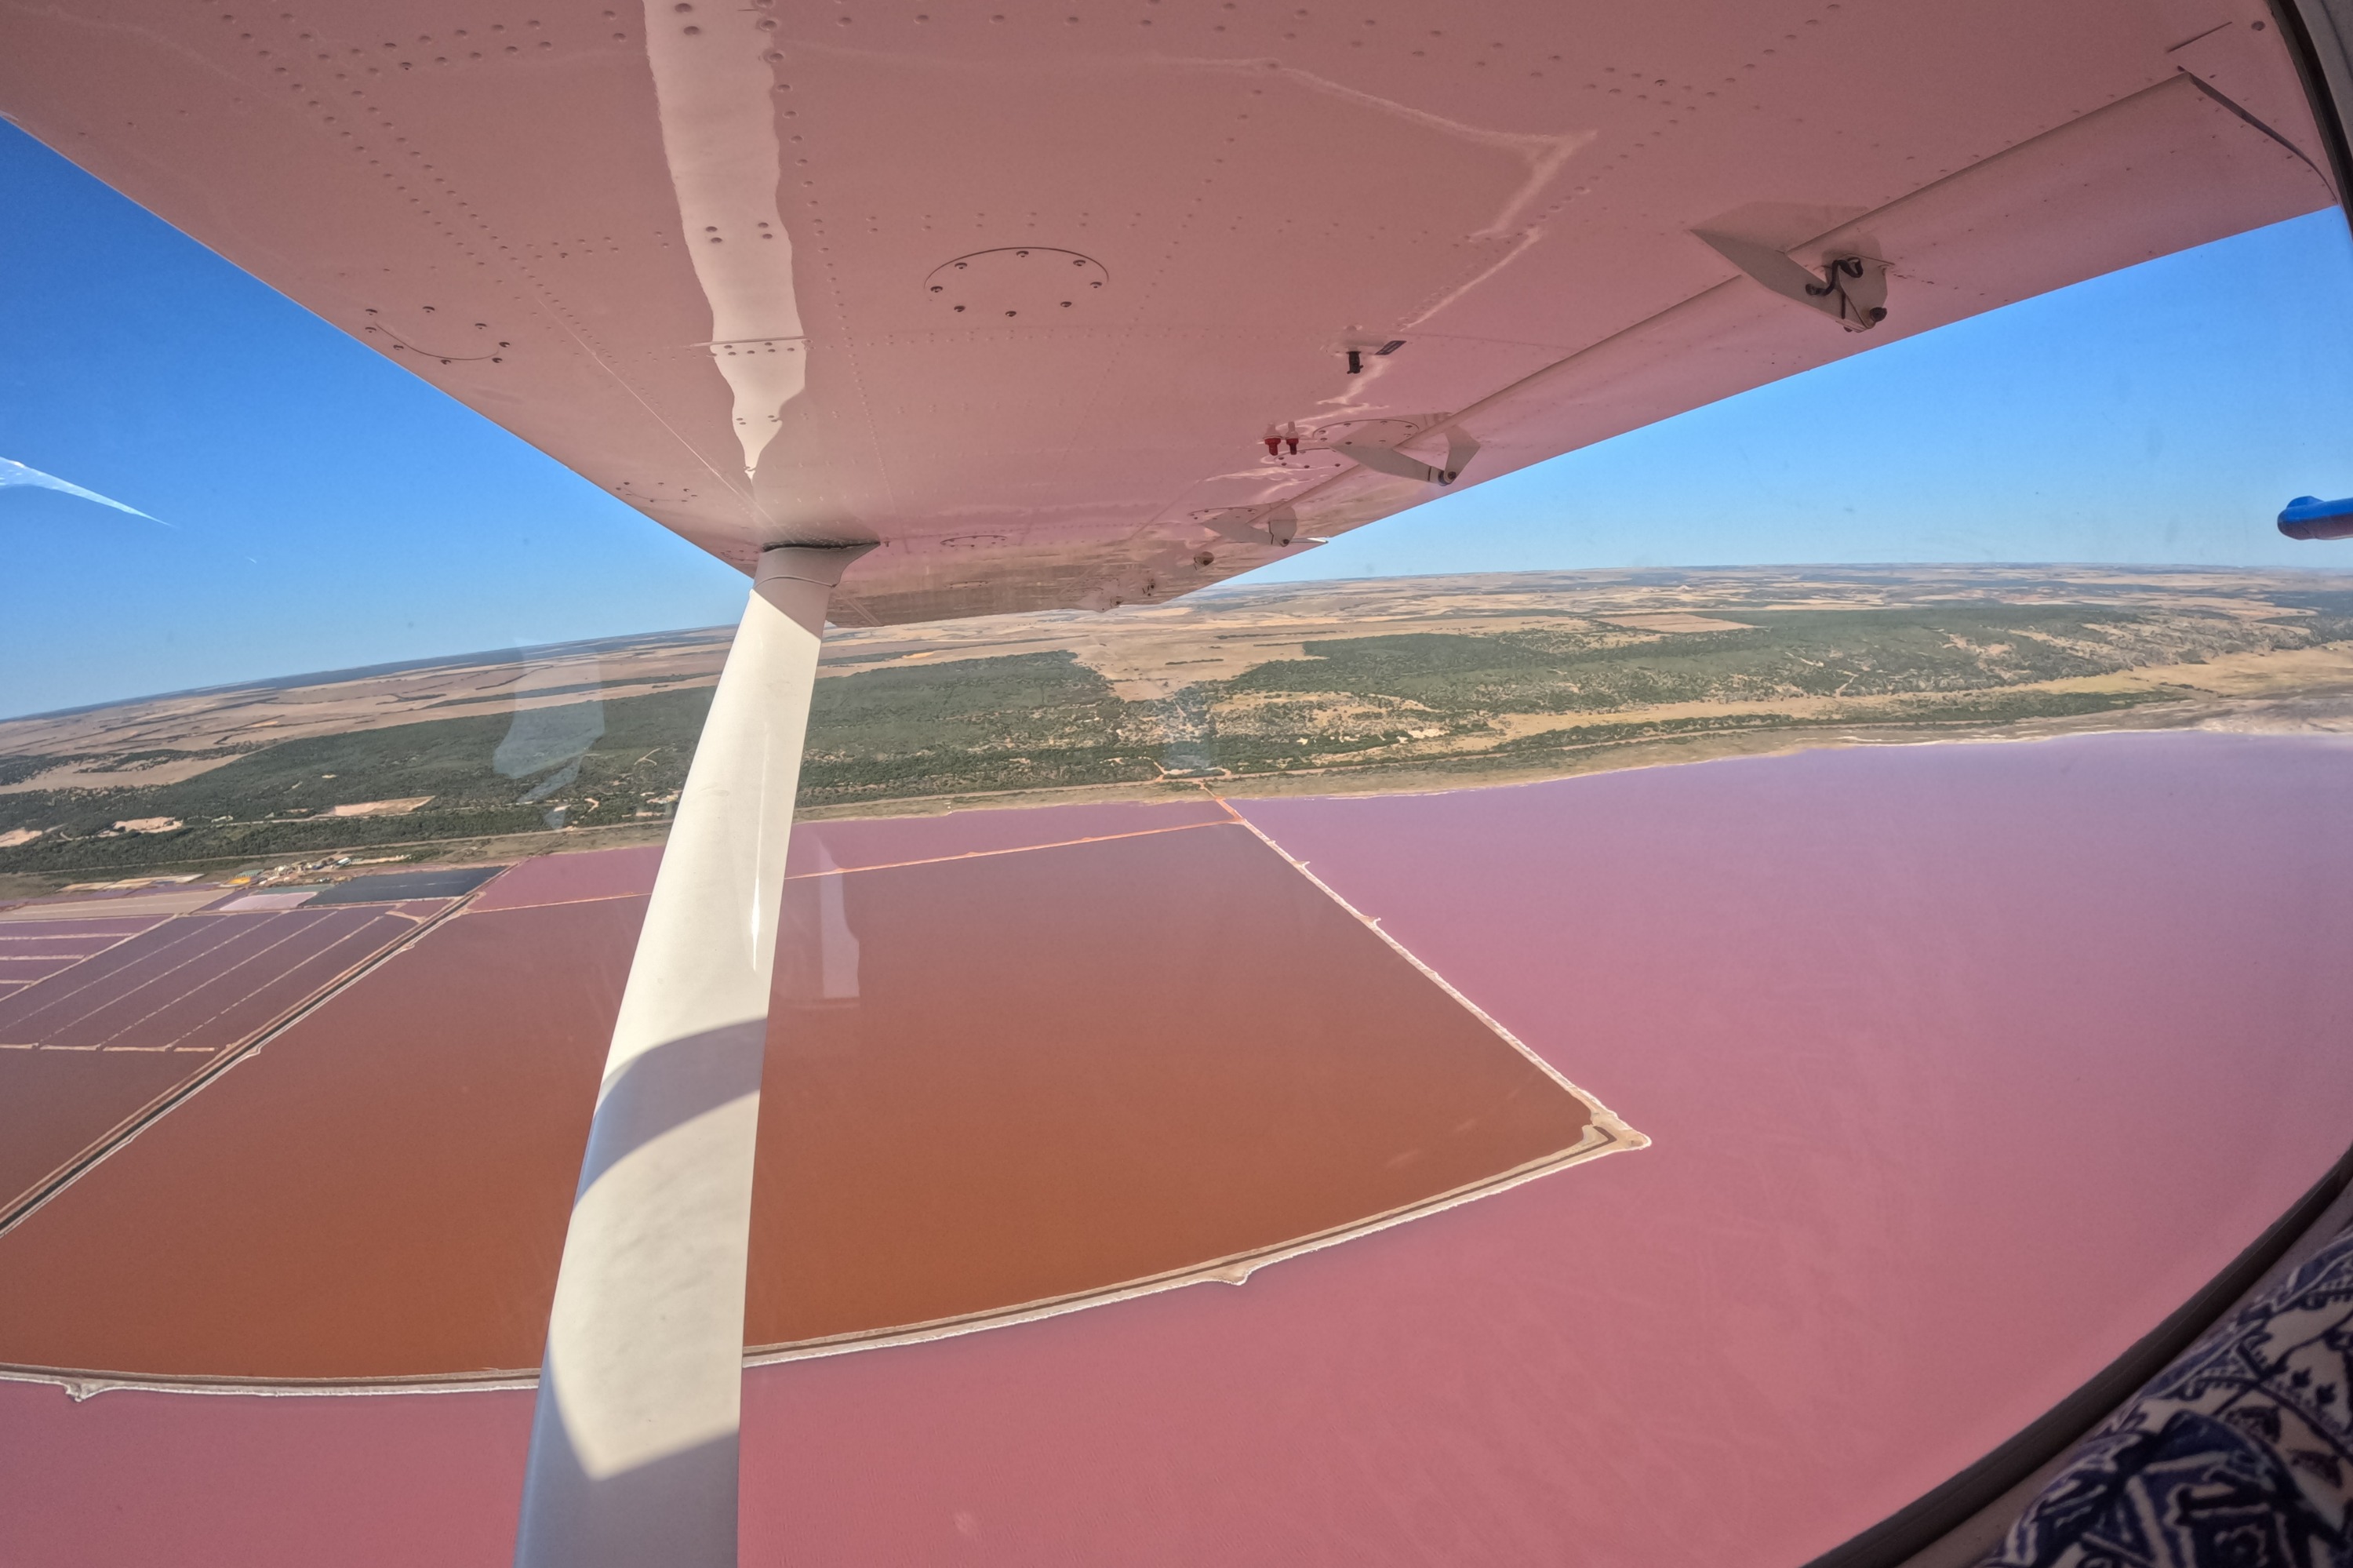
{"points": [[996, 1081], [1040, 1075], [364, 1195], [105, 1035]]}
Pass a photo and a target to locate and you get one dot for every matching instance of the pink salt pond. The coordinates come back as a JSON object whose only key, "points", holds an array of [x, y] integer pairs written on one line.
{"points": [[1963, 1065]]}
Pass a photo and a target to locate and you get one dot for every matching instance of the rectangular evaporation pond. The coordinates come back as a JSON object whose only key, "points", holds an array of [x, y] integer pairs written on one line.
{"points": [[95, 1045], [576, 877], [392, 886], [1045, 1076], [828, 845], [33, 951], [110, 906], [380, 1192], [888, 840]]}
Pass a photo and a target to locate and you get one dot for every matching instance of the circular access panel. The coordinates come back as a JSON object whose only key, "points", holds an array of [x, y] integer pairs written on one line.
{"points": [[1026, 284], [1364, 432]]}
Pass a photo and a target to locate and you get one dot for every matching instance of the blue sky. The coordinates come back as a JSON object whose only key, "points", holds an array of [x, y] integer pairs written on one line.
{"points": [[325, 507], [320, 507]]}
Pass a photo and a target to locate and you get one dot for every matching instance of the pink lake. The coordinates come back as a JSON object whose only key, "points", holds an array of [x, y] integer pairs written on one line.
{"points": [[1964, 1064]]}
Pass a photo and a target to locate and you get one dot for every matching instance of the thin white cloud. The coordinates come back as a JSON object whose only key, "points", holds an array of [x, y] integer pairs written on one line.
{"points": [[11, 472]]}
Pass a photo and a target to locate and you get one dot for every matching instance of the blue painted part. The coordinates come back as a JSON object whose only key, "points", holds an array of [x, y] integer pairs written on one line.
{"points": [[2309, 518]]}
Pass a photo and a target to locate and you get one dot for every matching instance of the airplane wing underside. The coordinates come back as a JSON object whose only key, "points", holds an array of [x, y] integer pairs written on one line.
{"points": [[1059, 304]]}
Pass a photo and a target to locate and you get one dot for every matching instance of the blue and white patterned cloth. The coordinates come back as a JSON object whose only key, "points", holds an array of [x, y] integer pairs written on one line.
{"points": [[2240, 1455]]}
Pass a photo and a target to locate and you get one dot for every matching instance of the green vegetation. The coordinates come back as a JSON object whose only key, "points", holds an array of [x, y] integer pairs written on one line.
{"points": [[1594, 668], [1027, 721], [272, 801], [1457, 697], [1945, 664], [16, 769], [1996, 708]]}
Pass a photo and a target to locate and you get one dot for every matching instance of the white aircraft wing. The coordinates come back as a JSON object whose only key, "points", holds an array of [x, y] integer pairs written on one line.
{"points": [[1057, 304]]}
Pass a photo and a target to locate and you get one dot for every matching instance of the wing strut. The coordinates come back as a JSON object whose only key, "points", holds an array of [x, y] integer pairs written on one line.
{"points": [[633, 1442]]}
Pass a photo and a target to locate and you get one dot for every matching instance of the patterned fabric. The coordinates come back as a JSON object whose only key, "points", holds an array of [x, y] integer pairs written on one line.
{"points": [[2240, 1455]]}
